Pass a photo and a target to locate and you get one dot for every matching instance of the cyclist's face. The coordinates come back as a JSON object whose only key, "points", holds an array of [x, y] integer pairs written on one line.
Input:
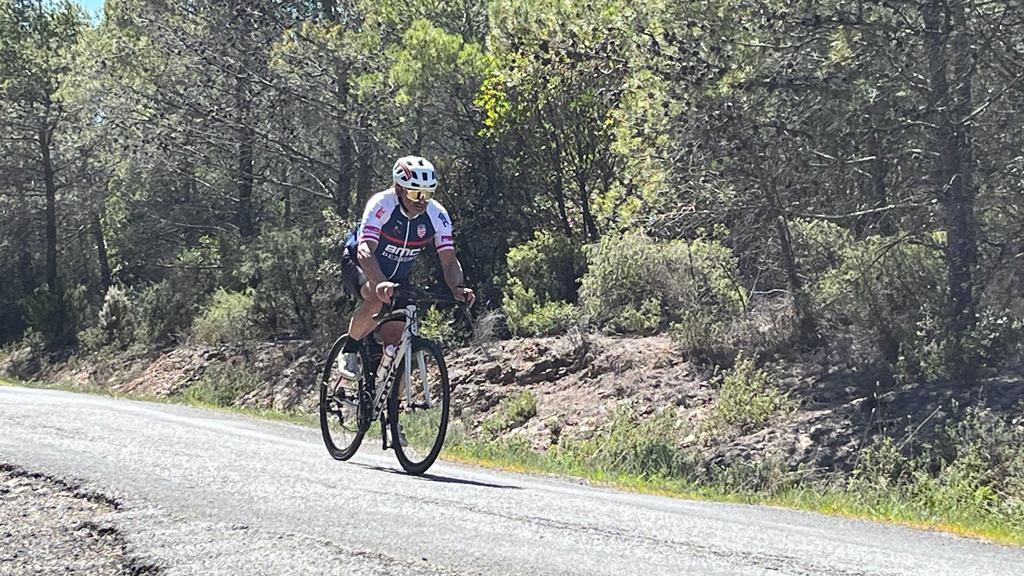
{"points": [[413, 208]]}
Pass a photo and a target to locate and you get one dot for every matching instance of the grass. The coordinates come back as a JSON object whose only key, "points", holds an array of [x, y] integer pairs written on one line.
{"points": [[292, 417], [595, 461]]}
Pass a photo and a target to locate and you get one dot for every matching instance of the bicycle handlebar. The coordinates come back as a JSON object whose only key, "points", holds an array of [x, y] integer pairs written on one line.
{"points": [[419, 296]]}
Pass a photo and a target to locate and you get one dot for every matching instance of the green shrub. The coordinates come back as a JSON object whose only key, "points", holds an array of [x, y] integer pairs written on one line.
{"points": [[222, 384], [996, 338], [980, 464], [635, 445], [893, 287], [115, 324], [637, 284], [819, 246], [748, 397], [549, 266], [284, 266], [880, 468], [766, 477], [163, 311], [436, 325], [541, 285], [973, 468], [225, 318], [56, 316], [766, 326], [526, 315], [512, 412]]}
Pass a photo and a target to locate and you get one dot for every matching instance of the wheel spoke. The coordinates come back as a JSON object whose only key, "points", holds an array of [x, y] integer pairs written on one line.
{"points": [[339, 409], [419, 410]]}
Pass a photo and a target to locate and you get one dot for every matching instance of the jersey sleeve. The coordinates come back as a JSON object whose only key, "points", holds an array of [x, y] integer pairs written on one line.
{"points": [[374, 217], [443, 239]]}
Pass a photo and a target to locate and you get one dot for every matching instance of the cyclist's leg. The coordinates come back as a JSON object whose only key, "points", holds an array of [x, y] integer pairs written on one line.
{"points": [[362, 322], [355, 282], [391, 332]]}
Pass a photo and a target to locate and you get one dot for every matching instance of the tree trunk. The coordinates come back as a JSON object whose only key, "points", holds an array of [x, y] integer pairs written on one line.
{"points": [[24, 232], [953, 172], [346, 154], [589, 224], [559, 191], [45, 141], [246, 133], [878, 170], [246, 220], [364, 172], [807, 328], [101, 251]]}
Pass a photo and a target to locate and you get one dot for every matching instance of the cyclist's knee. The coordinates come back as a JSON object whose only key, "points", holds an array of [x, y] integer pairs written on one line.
{"points": [[366, 293]]}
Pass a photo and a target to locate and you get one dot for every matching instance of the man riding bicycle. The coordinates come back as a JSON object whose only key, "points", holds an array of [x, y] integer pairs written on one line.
{"points": [[397, 225]]}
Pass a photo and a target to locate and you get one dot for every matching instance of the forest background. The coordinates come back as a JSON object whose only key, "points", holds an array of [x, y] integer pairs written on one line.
{"points": [[769, 184], [747, 175]]}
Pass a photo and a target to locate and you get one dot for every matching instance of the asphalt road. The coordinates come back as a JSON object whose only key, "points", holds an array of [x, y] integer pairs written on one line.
{"points": [[212, 493]]}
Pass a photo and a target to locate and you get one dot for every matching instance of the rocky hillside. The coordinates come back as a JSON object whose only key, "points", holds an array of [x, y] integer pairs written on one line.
{"points": [[579, 385]]}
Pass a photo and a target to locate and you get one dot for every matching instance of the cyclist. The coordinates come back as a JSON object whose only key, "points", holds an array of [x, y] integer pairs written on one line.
{"points": [[397, 225]]}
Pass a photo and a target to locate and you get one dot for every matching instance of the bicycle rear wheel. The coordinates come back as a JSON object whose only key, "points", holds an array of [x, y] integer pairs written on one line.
{"points": [[418, 410], [339, 406]]}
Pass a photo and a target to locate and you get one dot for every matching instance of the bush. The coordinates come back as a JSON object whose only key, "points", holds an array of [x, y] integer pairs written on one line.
{"points": [[115, 324], [766, 326], [766, 477], [56, 316], [980, 463], [637, 284], [526, 315], [894, 287], [436, 325], [225, 318], [996, 338], [163, 311], [549, 266], [284, 266], [748, 397], [512, 412], [542, 284], [222, 384], [640, 446], [974, 468]]}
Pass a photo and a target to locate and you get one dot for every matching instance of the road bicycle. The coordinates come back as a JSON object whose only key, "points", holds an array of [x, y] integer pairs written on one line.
{"points": [[411, 400]]}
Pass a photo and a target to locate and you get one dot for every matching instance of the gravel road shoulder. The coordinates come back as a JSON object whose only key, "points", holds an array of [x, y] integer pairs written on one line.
{"points": [[48, 526]]}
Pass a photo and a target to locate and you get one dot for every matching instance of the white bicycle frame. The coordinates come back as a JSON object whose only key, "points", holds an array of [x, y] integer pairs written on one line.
{"points": [[405, 351]]}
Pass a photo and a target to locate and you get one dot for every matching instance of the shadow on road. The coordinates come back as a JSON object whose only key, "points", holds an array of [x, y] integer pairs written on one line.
{"points": [[442, 479]]}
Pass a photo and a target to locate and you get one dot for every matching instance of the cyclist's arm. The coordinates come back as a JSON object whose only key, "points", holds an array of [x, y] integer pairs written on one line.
{"points": [[377, 211], [453, 276], [368, 263], [452, 269]]}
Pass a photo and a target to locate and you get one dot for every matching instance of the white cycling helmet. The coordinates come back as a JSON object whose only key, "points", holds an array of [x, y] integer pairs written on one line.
{"points": [[415, 173]]}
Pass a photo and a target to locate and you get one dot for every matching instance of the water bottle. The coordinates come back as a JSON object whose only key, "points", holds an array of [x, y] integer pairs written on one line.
{"points": [[385, 361]]}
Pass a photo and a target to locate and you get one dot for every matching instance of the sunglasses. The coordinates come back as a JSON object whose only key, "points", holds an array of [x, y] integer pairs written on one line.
{"points": [[419, 195]]}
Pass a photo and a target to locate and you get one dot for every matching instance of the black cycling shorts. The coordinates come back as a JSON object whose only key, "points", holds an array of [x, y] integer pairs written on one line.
{"points": [[353, 277]]}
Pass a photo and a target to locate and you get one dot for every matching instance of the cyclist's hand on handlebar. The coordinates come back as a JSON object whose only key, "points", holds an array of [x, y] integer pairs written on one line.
{"points": [[463, 294], [385, 290]]}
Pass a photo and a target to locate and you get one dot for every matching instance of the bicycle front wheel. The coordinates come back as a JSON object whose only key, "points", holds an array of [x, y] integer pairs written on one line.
{"points": [[339, 407], [418, 408]]}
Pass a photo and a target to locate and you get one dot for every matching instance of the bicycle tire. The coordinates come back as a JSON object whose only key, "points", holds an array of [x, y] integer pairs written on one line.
{"points": [[427, 426], [331, 407]]}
